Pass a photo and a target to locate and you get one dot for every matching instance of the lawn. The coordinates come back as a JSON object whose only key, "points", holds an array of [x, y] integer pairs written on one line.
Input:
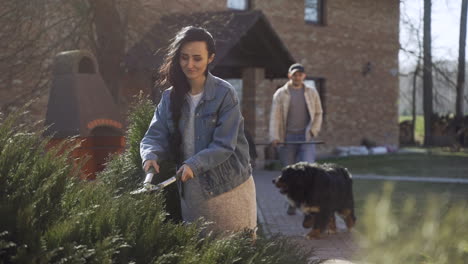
{"points": [[417, 223], [434, 163], [447, 193]]}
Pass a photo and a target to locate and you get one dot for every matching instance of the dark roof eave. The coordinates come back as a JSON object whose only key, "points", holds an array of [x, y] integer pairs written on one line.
{"points": [[237, 25]]}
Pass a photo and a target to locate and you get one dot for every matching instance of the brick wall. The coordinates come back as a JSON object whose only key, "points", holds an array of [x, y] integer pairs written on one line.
{"points": [[356, 32]]}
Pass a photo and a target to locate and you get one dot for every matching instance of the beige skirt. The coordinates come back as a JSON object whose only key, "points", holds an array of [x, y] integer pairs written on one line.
{"points": [[235, 210]]}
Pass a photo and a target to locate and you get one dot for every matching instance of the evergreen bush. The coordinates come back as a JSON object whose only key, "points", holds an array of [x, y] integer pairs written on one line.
{"points": [[50, 216]]}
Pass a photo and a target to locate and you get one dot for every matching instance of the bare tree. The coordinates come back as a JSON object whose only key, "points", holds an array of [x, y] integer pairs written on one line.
{"points": [[109, 42], [427, 74], [461, 63], [32, 32], [413, 103], [29, 36], [415, 32], [443, 73]]}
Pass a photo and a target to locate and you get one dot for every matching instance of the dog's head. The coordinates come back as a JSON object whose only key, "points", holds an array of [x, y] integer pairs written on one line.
{"points": [[286, 180], [281, 184], [292, 178], [302, 183]]}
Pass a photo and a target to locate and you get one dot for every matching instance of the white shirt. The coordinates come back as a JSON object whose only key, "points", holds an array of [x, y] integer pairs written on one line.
{"points": [[189, 131]]}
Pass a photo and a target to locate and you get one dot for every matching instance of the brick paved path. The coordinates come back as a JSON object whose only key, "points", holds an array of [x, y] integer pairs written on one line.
{"points": [[272, 215]]}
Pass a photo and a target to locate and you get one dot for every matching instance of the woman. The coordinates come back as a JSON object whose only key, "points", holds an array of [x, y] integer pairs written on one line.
{"points": [[199, 125]]}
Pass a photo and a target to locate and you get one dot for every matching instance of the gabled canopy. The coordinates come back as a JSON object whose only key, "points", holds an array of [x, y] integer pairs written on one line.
{"points": [[243, 39]]}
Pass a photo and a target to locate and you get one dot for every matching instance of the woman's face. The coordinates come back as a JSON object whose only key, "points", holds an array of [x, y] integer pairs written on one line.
{"points": [[194, 59]]}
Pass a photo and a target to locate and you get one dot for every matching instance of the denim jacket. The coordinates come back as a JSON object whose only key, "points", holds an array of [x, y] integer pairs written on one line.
{"points": [[221, 160]]}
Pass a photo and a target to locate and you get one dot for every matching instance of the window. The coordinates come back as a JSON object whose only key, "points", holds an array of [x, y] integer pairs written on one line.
{"points": [[319, 84], [313, 11], [238, 4]]}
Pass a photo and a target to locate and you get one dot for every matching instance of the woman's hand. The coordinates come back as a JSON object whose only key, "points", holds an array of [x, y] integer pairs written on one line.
{"points": [[187, 173], [151, 163]]}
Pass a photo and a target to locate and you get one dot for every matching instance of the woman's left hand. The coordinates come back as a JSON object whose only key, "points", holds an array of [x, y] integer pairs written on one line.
{"points": [[187, 173]]}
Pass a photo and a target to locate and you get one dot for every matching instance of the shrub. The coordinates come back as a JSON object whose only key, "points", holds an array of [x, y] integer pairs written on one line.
{"points": [[49, 216], [129, 165], [32, 183]]}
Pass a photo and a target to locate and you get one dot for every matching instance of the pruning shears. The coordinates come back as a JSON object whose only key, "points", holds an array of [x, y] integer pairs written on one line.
{"points": [[148, 187]]}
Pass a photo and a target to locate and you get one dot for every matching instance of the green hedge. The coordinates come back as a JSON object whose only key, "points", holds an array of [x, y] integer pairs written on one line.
{"points": [[49, 216]]}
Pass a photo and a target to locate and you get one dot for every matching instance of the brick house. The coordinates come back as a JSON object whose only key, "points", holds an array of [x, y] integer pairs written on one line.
{"points": [[350, 51]]}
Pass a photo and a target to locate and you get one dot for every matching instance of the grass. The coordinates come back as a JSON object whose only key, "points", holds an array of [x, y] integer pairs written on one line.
{"points": [[447, 193], [419, 135], [435, 163], [411, 223], [415, 222]]}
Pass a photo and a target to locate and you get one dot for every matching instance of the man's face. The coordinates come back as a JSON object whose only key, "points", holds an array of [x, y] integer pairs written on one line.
{"points": [[297, 78]]}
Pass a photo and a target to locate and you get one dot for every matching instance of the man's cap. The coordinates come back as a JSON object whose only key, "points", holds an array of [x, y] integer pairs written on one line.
{"points": [[296, 67]]}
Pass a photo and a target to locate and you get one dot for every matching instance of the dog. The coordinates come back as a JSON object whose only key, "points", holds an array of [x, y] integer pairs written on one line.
{"points": [[319, 190]]}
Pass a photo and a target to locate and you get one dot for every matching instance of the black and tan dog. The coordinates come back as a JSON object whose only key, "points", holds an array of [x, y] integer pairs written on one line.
{"points": [[319, 190]]}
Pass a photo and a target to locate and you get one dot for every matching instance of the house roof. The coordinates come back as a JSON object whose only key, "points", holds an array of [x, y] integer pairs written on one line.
{"points": [[243, 39]]}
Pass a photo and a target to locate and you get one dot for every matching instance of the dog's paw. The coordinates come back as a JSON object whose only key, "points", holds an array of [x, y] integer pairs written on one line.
{"points": [[331, 231], [313, 234], [309, 221]]}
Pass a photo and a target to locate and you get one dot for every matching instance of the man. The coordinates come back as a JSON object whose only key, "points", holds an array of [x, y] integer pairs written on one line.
{"points": [[296, 115]]}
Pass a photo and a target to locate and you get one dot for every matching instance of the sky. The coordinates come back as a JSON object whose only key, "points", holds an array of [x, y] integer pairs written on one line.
{"points": [[445, 28]]}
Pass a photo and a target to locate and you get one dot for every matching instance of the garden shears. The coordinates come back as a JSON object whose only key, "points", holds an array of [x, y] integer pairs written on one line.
{"points": [[148, 187]]}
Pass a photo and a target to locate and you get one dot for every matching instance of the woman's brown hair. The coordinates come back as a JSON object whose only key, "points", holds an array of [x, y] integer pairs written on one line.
{"points": [[171, 73]]}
